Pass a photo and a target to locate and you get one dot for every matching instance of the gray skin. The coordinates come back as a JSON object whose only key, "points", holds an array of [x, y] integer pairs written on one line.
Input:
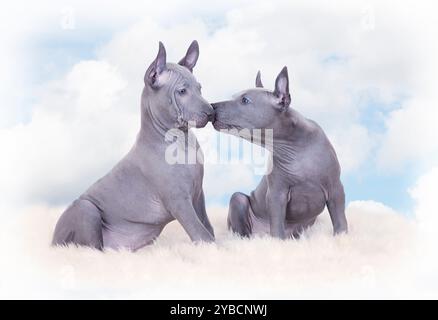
{"points": [[129, 207], [305, 174]]}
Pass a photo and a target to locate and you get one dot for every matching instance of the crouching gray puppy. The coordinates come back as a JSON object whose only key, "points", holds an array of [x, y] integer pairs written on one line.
{"points": [[129, 207], [305, 174]]}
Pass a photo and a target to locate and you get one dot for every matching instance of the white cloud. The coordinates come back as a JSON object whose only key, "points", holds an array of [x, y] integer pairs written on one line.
{"points": [[74, 136], [411, 131], [426, 212], [353, 144], [13, 64], [411, 136], [222, 180]]}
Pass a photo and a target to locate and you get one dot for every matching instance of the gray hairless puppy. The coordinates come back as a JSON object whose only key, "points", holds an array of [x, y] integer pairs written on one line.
{"points": [[305, 170], [129, 207]]}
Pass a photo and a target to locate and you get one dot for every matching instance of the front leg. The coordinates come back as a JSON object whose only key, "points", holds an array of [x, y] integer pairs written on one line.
{"points": [[183, 211], [336, 208], [276, 203], [202, 213]]}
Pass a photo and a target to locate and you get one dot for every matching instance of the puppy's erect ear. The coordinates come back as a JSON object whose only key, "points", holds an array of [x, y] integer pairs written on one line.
{"points": [[258, 81], [282, 89], [189, 60], [156, 67]]}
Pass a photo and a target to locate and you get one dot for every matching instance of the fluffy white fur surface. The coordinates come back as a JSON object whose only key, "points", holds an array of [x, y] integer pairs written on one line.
{"points": [[377, 259]]}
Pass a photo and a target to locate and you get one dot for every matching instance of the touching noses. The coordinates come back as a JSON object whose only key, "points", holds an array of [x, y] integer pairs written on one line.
{"points": [[211, 114]]}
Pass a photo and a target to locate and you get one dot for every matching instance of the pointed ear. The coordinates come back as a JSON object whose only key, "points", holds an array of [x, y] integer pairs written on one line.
{"points": [[156, 67], [189, 60], [258, 81], [282, 88]]}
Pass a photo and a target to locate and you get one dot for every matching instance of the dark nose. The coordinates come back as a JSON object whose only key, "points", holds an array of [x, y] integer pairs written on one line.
{"points": [[211, 115]]}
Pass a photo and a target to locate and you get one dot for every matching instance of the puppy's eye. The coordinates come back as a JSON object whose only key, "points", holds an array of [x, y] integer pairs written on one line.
{"points": [[245, 100], [182, 91]]}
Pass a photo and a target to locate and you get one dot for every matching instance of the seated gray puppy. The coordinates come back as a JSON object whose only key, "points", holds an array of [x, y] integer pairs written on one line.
{"points": [[129, 207], [305, 173]]}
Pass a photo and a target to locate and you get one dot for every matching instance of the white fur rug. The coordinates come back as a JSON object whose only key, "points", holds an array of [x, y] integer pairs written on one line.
{"points": [[377, 259]]}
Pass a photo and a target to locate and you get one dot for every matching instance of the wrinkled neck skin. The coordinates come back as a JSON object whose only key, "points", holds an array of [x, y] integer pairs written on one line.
{"points": [[151, 125], [158, 116], [291, 134], [154, 122]]}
